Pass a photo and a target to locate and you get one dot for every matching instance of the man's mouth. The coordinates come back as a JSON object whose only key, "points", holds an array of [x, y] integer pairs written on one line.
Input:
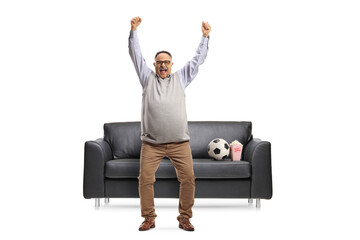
{"points": [[163, 70]]}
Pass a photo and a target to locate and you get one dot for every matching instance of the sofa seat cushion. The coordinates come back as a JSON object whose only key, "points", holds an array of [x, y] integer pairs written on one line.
{"points": [[203, 168]]}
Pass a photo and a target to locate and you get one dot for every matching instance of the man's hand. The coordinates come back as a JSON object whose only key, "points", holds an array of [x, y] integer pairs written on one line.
{"points": [[205, 29], [135, 22]]}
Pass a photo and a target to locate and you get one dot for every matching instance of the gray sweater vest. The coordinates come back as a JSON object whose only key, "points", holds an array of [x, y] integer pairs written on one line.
{"points": [[163, 112]]}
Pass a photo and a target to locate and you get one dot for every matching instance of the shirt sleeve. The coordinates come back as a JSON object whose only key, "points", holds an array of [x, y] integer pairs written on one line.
{"points": [[141, 67], [191, 68]]}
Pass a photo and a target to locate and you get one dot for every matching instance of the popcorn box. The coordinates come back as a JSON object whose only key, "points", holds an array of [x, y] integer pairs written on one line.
{"points": [[235, 150]]}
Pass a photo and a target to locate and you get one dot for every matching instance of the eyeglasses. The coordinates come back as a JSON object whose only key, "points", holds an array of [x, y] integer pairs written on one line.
{"points": [[167, 62]]}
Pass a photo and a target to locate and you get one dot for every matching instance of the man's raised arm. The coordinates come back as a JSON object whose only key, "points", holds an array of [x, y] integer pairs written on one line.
{"points": [[141, 67], [191, 68]]}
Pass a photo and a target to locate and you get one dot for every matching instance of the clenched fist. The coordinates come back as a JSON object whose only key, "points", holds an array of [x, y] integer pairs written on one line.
{"points": [[206, 28], [135, 22]]}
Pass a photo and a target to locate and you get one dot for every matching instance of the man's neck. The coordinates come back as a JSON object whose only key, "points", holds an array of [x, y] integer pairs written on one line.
{"points": [[168, 76]]}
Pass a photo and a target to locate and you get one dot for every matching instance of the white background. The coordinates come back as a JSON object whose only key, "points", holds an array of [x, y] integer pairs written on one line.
{"points": [[290, 67]]}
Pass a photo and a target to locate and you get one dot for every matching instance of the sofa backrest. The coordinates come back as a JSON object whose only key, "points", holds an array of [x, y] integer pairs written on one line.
{"points": [[124, 137]]}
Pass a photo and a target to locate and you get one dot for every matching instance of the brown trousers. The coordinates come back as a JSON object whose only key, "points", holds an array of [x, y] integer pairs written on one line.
{"points": [[180, 155]]}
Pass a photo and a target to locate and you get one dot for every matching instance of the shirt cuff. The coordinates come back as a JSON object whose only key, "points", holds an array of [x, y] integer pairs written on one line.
{"points": [[133, 33], [204, 40]]}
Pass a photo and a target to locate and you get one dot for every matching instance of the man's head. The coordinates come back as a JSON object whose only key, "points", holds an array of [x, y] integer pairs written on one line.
{"points": [[163, 63]]}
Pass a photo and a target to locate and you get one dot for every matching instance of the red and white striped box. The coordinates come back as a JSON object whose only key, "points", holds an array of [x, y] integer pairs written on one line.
{"points": [[235, 150]]}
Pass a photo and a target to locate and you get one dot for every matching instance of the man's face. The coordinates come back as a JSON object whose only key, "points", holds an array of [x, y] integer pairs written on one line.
{"points": [[163, 65]]}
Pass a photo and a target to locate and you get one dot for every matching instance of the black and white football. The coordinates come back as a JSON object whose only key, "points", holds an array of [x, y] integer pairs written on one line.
{"points": [[218, 149]]}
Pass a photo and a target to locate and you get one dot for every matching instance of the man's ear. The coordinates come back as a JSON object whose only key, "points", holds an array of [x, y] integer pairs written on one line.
{"points": [[172, 63], [154, 65]]}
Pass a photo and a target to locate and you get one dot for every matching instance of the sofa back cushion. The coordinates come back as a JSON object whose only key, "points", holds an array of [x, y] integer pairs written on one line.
{"points": [[124, 137], [201, 133]]}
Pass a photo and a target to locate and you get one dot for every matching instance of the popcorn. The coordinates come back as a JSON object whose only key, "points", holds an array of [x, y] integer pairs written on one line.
{"points": [[236, 142], [235, 150]]}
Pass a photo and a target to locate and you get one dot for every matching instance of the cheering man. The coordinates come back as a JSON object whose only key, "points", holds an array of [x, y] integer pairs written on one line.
{"points": [[164, 127]]}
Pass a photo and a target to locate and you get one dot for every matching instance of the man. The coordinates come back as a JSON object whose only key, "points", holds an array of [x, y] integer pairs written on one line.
{"points": [[164, 129]]}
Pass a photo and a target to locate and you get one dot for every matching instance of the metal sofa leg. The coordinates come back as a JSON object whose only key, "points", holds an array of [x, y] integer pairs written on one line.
{"points": [[258, 203], [106, 200], [250, 200], [97, 202]]}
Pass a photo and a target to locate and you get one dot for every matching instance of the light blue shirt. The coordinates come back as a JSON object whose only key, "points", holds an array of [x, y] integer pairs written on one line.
{"points": [[186, 74]]}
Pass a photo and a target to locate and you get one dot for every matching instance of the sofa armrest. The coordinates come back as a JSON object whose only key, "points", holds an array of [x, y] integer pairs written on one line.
{"points": [[258, 153], [95, 156]]}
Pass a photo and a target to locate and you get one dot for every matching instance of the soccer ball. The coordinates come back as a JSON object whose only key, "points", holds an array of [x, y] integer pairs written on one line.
{"points": [[218, 149]]}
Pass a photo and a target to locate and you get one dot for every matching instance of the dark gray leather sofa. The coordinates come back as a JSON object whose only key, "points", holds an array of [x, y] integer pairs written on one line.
{"points": [[111, 165]]}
